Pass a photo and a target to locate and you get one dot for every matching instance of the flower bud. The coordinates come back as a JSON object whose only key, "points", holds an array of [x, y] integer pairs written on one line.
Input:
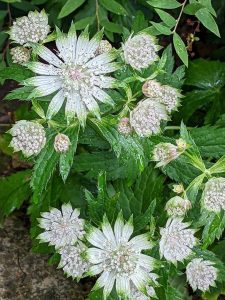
{"points": [[178, 188], [181, 144], [140, 51], [163, 153], [31, 29], [20, 55], [61, 143], [213, 197], [177, 206], [104, 47], [124, 126], [28, 137], [147, 116]]}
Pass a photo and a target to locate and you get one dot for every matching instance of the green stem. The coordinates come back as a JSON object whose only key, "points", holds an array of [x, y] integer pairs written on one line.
{"points": [[176, 128], [180, 14]]}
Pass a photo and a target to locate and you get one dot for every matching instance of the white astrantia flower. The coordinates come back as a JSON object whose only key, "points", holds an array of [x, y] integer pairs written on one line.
{"points": [[75, 73], [72, 260], [61, 143], [177, 206], [31, 29], [124, 126], [201, 274], [164, 153], [61, 227], [176, 241], [141, 50], [147, 117], [20, 55], [118, 258], [149, 290], [28, 137], [165, 94], [213, 197]]}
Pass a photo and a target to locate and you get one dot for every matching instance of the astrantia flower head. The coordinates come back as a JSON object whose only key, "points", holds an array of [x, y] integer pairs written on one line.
{"points": [[213, 197], [177, 206], [61, 227], [124, 126], [104, 47], [72, 260], [201, 274], [61, 143], [28, 137], [137, 295], [20, 55], [31, 29], [165, 94], [163, 153], [147, 116], [75, 73], [176, 241], [118, 258], [140, 50]]}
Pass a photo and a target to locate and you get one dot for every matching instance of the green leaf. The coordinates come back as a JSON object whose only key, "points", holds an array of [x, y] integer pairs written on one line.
{"points": [[113, 6], [15, 72], [66, 159], [10, 1], [192, 8], [180, 48], [14, 190], [43, 169], [103, 204], [81, 24], [69, 7], [162, 28], [166, 18], [139, 22], [207, 20], [111, 27], [21, 93], [166, 4]]}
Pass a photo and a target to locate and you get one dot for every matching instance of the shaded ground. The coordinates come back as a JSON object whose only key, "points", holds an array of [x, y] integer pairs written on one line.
{"points": [[25, 275]]}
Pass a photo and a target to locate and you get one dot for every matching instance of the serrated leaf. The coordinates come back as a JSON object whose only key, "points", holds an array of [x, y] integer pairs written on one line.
{"points": [[14, 190], [180, 48], [166, 4], [21, 93], [69, 7], [113, 6], [15, 72], [162, 28], [207, 20], [66, 159], [166, 18], [43, 169]]}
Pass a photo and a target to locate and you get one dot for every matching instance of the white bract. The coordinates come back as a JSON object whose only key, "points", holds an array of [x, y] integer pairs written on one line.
{"points": [[164, 153], [75, 74], [147, 117], [31, 29], [61, 227], [118, 258], [176, 241], [28, 137], [201, 274], [165, 94], [72, 260], [213, 197], [141, 50], [177, 206], [20, 55], [61, 143]]}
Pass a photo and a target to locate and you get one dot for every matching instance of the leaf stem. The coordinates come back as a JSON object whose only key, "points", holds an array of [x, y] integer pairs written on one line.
{"points": [[180, 14], [175, 128]]}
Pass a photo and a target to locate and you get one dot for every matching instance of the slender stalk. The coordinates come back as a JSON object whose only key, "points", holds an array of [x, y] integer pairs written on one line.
{"points": [[97, 14], [176, 128], [180, 14]]}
